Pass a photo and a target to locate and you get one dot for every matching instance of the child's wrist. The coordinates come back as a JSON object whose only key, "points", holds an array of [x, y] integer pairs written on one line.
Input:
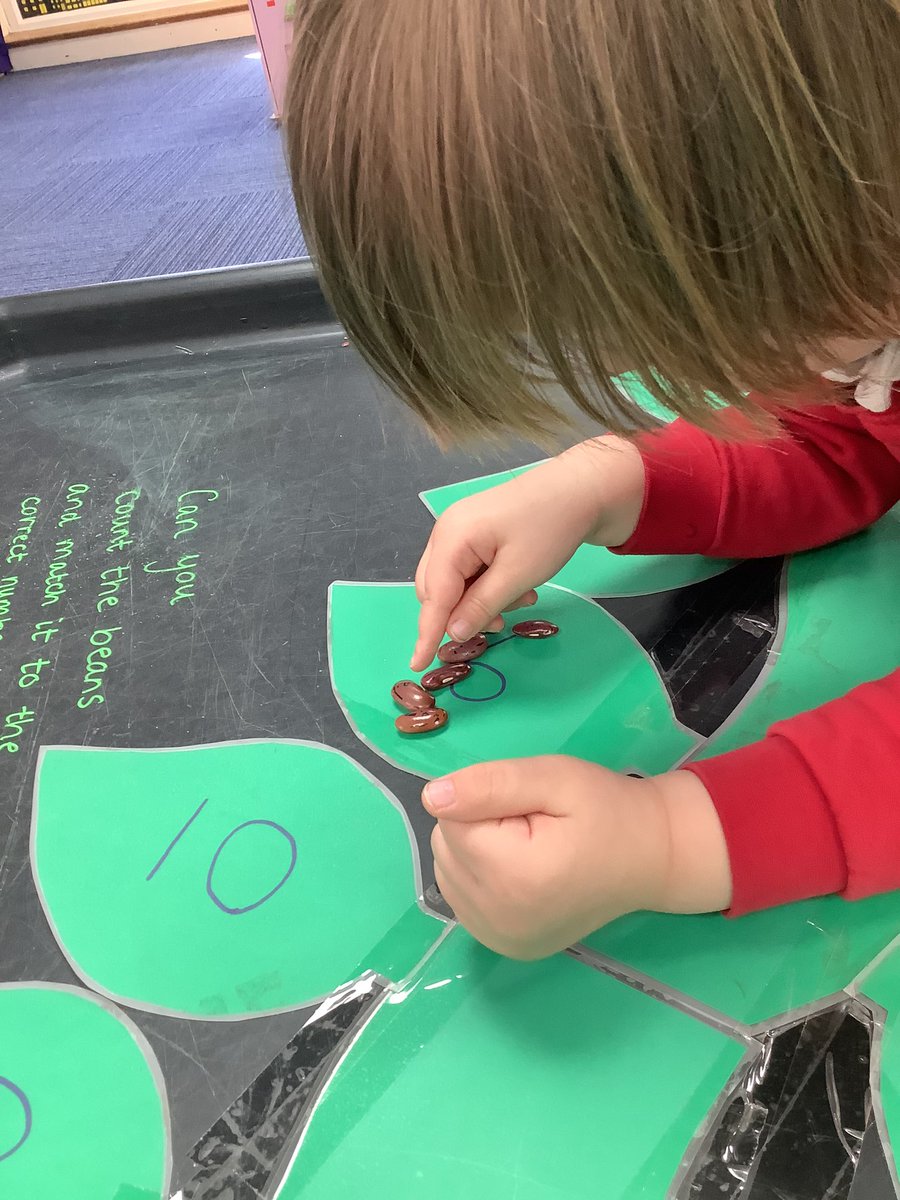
{"points": [[697, 872], [610, 471]]}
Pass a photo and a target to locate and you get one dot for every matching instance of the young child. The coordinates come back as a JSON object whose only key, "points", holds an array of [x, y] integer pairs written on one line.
{"points": [[510, 202]]}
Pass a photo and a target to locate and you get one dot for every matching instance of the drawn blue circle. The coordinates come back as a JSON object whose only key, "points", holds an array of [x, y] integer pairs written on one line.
{"points": [[26, 1109], [268, 896], [482, 699]]}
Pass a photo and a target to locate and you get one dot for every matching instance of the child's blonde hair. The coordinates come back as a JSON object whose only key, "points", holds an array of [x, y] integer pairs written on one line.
{"points": [[502, 193]]}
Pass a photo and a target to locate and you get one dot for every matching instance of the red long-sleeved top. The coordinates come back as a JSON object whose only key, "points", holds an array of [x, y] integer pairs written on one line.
{"points": [[815, 806]]}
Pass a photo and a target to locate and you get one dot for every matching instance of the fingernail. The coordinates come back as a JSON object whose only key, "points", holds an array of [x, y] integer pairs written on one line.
{"points": [[458, 631], [439, 793]]}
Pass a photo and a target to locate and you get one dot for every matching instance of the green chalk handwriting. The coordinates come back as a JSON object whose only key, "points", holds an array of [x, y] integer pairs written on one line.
{"points": [[119, 533], [111, 580], [55, 579], [185, 521], [18, 546], [185, 576], [120, 537], [95, 667], [44, 631], [8, 585], [30, 672], [14, 724], [74, 503]]}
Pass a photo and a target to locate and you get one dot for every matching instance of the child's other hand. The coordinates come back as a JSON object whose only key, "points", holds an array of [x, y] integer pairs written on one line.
{"points": [[534, 854], [488, 552]]}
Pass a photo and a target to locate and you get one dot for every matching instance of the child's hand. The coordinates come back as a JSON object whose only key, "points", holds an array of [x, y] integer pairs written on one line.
{"points": [[534, 854], [487, 553]]}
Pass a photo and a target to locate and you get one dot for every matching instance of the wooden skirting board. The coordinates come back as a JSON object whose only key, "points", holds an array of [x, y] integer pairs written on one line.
{"points": [[126, 21], [181, 26]]}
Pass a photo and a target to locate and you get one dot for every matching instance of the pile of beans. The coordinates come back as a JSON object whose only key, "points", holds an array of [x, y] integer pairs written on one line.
{"points": [[421, 713]]}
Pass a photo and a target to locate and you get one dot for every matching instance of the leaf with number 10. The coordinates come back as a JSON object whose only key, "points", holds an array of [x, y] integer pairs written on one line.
{"points": [[225, 881]]}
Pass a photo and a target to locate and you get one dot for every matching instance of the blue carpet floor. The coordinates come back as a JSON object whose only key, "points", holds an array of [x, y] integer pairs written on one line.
{"points": [[141, 166]]}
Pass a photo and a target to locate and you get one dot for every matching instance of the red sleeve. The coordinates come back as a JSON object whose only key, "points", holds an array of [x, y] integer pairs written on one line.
{"points": [[832, 472], [815, 806]]}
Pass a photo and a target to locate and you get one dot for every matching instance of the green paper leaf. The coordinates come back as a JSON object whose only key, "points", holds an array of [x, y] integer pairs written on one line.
{"points": [[82, 1110], [591, 692], [226, 880], [488, 1079]]}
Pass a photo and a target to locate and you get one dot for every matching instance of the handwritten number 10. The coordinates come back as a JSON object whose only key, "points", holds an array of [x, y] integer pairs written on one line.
{"points": [[210, 889]]}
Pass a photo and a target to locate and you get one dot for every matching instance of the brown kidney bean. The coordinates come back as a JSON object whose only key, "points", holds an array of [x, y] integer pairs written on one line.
{"points": [[426, 720], [460, 652], [535, 629], [445, 676], [410, 696]]}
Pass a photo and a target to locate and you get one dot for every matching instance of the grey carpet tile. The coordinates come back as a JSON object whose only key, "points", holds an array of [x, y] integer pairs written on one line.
{"points": [[46, 141], [142, 166], [213, 124], [119, 186], [223, 172], [84, 250], [143, 82], [226, 231]]}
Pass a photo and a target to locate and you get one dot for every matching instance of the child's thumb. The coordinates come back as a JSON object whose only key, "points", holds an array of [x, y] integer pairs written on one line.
{"points": [[490, 791], [491, 594]]}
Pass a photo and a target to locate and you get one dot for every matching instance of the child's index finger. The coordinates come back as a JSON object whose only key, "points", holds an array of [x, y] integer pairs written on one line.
{"points": [[432, 626], [442, 583]]}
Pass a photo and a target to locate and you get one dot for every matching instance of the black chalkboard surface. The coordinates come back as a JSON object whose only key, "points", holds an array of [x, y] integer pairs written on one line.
{"points": [[187, 464]]}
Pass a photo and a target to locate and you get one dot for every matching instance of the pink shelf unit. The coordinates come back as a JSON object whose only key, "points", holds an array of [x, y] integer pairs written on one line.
{"points": [[273, 20]]}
